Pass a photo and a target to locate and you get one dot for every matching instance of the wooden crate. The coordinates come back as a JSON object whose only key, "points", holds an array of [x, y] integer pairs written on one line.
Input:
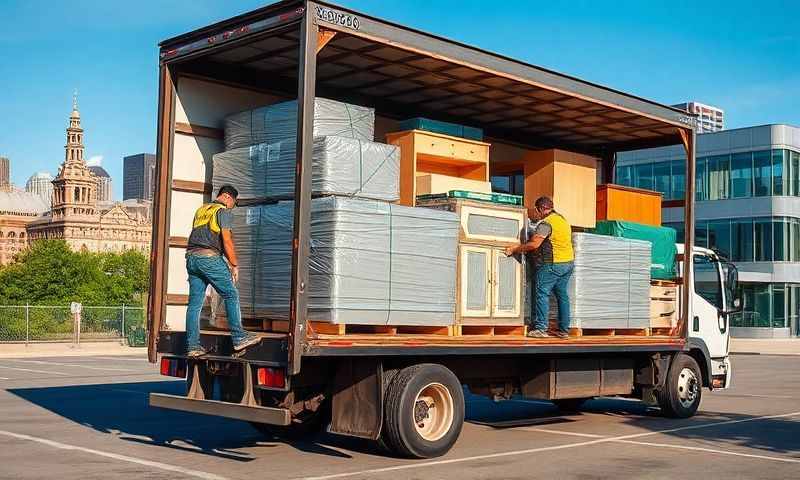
{"points": [[617, 202], [569, 178], [663, 305], [433, 153]]}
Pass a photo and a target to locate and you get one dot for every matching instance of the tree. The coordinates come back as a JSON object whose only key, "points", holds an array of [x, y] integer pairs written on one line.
{"points": [[49, 273]]}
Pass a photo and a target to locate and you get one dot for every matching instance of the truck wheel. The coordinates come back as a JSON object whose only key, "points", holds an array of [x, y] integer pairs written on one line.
{"points": [[682, 390], [423, 411], [570, 404]]}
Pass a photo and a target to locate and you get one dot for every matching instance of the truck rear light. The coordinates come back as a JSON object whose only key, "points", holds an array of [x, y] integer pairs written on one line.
{"points": [[173, 367], [271, 377]]}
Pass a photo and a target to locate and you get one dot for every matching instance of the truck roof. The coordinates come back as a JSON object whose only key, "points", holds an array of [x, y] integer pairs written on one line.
{"points": [[405, 72]]}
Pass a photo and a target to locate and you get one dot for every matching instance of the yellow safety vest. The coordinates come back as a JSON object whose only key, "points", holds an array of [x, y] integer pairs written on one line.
{"points": [[560, 239], [207, 215]]}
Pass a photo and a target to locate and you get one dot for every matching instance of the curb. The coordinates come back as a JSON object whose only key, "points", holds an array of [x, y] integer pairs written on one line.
{"points": [[768, 354]]}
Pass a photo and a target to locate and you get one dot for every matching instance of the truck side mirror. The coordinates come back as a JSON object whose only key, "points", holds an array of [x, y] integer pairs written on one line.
{"points": [[733, 293]]}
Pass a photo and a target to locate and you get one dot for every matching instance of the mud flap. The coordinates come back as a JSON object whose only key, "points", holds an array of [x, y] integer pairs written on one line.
{"points": [[358, 399]]}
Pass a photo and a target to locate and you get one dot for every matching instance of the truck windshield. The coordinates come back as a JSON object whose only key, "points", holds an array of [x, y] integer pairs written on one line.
{"points": [[706, 280]]}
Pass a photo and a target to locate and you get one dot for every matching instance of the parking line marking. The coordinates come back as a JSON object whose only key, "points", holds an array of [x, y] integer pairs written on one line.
{"points": [[546, 449], [40, 362], [712, 450], [116, 456], [4, 378], [560, 432], [49, 372]]}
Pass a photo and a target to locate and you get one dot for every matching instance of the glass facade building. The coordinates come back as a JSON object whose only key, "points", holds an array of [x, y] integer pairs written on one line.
{"points": [[747, 192]]}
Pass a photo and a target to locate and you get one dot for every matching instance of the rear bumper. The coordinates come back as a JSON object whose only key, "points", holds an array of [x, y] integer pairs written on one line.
{"points": [[272, 416]]}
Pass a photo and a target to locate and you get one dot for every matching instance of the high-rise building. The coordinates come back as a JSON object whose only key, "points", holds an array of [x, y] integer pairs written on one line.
{"points": [[747, 208], [709, 119], [104, 192], [5, 175], [41, 184], [138, 176]]}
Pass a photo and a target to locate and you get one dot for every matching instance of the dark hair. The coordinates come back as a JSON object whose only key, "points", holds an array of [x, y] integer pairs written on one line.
{"points": [[544, 203], [229, 190]]}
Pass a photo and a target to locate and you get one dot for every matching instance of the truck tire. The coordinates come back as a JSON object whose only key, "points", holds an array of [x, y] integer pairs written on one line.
{"points": [[680, 397], [423, 411]]}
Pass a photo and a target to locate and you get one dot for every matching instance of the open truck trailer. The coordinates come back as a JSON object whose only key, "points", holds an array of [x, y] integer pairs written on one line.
{"points": [[403, 388]]}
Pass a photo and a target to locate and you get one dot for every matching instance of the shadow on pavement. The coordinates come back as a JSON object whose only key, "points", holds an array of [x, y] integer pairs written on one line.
{"points": [[122, 410]]}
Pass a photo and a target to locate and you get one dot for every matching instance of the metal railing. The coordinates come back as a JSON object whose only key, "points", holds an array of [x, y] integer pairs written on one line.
{"points": [[55, 323]]}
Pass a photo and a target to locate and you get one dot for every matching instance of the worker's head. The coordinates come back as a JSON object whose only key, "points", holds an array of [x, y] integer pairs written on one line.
{"points": [[542, 207], [227, 195]]}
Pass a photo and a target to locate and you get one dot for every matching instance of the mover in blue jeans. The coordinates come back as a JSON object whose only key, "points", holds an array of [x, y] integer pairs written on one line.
{"points": [[210, 239], [550, 252]]}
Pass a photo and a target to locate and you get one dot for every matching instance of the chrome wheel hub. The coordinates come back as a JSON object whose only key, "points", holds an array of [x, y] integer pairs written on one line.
{"points": [[688, 388]]}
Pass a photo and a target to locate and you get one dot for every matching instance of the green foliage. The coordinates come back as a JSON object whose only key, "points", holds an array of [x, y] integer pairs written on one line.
{"points": [[50, 273]]}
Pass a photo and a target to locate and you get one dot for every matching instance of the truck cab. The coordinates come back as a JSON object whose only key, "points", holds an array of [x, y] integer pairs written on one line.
{"points": [[716, 296]]}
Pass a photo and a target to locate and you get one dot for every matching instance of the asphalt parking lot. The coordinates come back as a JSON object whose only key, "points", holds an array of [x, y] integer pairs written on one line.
{"points": [[87, 417]]}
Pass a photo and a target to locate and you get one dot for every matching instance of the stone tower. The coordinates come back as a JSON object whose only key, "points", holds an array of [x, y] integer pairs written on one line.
{"points": [[75, 186]]}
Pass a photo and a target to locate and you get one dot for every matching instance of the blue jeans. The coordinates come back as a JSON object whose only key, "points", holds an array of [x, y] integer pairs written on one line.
{"points": [[552, 278], [202, 271]]}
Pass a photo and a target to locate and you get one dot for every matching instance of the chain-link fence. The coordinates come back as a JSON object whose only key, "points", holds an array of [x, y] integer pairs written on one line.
{"points": [[47, 323]]}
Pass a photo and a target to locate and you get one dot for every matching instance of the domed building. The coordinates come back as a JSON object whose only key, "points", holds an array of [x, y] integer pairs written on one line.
{"points": [[78, 216], [17, 209], [41, 184]]}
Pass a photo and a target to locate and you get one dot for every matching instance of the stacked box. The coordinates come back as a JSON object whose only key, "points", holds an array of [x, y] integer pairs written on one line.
{"points": [[277, 122], [340, 166], [371, 263], [610, 287], [662, 240]]}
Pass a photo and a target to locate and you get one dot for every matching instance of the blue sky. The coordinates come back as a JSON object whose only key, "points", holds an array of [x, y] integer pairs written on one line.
{"points": [[743, 56]]}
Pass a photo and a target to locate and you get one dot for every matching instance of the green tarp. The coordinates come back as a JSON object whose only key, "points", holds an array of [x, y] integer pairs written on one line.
{"points": [[501, 198], [662, 265]]}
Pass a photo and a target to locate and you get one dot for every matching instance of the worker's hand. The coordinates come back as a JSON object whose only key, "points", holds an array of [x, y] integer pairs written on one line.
{"points": [[510, 251], [235, 274]]}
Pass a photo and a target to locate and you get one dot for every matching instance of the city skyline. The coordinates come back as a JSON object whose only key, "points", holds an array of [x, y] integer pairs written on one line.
{"points": [[643, 48]]}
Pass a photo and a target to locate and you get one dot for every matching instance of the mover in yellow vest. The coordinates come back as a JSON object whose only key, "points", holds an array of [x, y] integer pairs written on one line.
{"points": [[210, 239], [550, 254]]}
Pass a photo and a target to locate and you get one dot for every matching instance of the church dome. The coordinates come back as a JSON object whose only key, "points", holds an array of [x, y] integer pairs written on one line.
{"points": [[20, 202], [99, 171]]}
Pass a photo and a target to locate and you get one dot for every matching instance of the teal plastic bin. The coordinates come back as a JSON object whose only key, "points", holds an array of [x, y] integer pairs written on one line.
{"points": [[445, 128], [662, 265]]}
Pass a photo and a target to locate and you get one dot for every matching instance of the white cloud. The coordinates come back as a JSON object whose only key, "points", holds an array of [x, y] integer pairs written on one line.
{"points": [[94, 161]]}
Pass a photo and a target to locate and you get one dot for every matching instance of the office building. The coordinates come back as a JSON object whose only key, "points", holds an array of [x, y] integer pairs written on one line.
{"points": [[5, 173], [41, 184], [709, 119], [104, 193], [138, 176], [748, 208]]}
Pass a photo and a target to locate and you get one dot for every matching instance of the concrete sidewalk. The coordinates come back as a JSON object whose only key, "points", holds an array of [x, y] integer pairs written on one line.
{"points": [[19, 350], [772, 346]]}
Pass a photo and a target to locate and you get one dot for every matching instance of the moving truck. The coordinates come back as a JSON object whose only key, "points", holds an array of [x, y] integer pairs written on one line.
{"points": [[405, 390]]}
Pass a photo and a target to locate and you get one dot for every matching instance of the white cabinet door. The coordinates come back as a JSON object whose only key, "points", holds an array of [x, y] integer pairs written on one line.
{"points": [[476, 277], [507, 285]]}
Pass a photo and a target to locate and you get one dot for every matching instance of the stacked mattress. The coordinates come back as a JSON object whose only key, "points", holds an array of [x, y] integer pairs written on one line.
{"points": [[274, 123], [340, 166], [371, 263], [610, 287]]}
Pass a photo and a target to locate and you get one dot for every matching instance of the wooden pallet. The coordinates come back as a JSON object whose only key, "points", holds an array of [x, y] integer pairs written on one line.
{"points": [[609, 332], [322, 328]]}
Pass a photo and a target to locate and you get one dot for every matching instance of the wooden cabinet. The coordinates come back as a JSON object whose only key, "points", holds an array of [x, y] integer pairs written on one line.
{"points": [[427, 153], [570, 179], [490, 290], [617, 202]]}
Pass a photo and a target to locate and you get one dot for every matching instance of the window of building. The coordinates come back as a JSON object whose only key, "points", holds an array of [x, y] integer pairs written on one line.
{"points": [[678, 173], [781, 229], [700, 179], [679, 229], [661, 179], [719, 237], [763, 239], [780, 168], [762, 307], [719, 177], [643, 176], [778, 306], [741, 175], [701, 234], [742, 240], [624, 176], [513, 183], [795, 173], [762, 174]]}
